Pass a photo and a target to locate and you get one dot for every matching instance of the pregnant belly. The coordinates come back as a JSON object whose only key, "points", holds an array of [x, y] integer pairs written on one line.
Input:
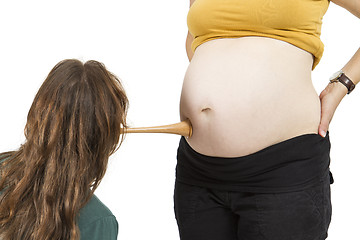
{"points": [[243, 95]]}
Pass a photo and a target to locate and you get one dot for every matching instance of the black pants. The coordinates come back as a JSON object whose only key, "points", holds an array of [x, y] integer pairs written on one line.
{"points": [[208, 214]]}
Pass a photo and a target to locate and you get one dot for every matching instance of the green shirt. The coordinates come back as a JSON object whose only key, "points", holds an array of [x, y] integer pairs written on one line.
{"points": [[96, 222]]}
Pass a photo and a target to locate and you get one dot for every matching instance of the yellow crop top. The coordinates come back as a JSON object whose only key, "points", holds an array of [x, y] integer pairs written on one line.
{"points": [[294, 21]]}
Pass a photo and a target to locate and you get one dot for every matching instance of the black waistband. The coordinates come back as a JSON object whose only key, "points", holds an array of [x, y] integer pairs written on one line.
{"points": [[291, 165]]}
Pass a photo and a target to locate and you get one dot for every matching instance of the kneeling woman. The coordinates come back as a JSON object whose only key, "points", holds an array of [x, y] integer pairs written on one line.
{"points": [[73, 126]]}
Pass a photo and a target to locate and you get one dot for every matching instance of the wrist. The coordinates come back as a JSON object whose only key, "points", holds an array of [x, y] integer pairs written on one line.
{"points": [[339, 89], [340, 76]]}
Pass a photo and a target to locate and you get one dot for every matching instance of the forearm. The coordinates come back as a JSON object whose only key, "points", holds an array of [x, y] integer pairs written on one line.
{"points": [[352, 71], [352, 68]]}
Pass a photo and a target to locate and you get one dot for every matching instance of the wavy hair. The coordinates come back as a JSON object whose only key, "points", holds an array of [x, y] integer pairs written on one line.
{"points": [[75, 123]]}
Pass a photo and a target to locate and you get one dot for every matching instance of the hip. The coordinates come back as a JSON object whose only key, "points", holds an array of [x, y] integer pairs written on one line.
{"points": [[291, 165]]}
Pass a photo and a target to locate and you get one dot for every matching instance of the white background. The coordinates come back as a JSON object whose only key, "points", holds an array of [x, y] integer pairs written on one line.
{"points": [[143, 42]]}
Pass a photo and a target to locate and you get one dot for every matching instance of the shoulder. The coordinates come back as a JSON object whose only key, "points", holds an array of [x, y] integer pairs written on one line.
{"points": [[96, 221]]}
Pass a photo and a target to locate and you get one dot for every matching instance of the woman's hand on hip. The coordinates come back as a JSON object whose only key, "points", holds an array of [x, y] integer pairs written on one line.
{"points": [[330, 98]]}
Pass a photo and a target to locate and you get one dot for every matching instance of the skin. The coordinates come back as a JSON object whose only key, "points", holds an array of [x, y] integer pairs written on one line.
{"points": [[202, 103]]}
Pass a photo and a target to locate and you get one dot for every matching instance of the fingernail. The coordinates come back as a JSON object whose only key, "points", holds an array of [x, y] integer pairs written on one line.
{"points": [[323, 133]]}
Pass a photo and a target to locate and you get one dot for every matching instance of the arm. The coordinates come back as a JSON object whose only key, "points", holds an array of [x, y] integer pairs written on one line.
{"points": [[332, 95], [189, 40], [352, 6], [352, 68]]}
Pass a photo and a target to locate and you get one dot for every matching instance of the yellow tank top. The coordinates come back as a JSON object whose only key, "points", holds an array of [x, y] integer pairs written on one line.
{"points": [[297, 22]]}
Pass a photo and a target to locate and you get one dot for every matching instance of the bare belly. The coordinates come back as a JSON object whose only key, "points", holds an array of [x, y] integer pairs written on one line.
{"points": [[242, 95]]}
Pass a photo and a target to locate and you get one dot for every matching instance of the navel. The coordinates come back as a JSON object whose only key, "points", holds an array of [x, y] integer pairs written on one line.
{"points": [[206, 109]]}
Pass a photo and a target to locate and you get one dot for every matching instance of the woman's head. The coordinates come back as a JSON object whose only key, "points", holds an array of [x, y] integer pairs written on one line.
{"points": [[74, 124], [78, 104]]}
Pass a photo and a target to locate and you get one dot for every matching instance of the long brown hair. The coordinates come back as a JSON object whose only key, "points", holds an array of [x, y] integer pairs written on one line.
{"points": [[74, 124]]}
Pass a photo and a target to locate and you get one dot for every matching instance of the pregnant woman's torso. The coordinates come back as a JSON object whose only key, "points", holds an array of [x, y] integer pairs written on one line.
{"points": [[244, 94]]}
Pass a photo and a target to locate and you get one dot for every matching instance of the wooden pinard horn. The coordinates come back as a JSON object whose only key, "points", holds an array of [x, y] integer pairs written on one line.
{"points": [[183, 128]]}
